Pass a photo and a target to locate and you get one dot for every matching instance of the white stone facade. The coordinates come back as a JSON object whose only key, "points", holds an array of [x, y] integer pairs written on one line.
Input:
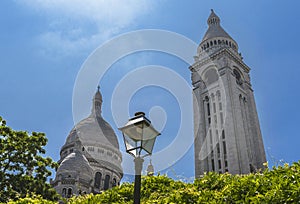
{"points": [[227, 131]]}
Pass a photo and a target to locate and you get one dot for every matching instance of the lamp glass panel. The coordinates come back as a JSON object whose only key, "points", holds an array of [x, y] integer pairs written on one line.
{"points": [[149, 133], [134, 131], [148, 145], [129, 143]]}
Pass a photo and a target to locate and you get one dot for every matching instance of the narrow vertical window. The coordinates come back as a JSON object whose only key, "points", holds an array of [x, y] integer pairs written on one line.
{"points": [[223, 134], [221, 118], [252, 168], [208, 109], [224, 147], [114, 182], [219, 162], [98, 177], [106, 182], [220, 106], [69, 192], [214, 105], [64, 192]]}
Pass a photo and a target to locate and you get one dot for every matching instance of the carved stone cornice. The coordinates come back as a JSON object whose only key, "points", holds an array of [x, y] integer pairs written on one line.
{"points": [[217, 55]]}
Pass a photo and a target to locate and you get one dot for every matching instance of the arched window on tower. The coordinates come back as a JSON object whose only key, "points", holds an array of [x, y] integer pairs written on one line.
{"points": [[208, 110], [106, 182], [98, 177], [223, 134], [224, 147], [238, 77]]}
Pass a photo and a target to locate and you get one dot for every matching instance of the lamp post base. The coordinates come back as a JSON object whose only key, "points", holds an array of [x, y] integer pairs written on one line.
{"points": [[138, 161]]}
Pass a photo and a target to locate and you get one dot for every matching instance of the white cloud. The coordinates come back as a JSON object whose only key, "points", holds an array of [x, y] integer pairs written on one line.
{"points": [[116, 12], [76, 24]]}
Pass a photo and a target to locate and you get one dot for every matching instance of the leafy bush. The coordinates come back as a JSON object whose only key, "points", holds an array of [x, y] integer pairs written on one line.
{"points": [[33, 199], [23, 169], [279, 185]]}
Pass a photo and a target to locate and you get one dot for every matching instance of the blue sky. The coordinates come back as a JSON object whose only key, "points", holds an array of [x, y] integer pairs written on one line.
{"points": [[44, 45]]}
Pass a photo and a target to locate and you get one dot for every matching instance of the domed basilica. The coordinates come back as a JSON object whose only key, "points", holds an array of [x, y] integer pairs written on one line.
{"points": [[227, 135], [90, 159]]}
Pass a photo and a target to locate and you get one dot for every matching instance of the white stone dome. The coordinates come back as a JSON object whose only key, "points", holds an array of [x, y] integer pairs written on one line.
{"points": [[75, 164], [90, 155], [93, 130]]}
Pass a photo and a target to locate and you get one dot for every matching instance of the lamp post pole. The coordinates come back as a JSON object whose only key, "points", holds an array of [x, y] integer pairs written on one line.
{"points": [[138, 161], [139, 138]]}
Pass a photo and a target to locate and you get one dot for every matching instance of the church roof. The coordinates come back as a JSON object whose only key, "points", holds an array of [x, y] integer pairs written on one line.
{"points": [[214, 28], [75, 161], [94, 129]]}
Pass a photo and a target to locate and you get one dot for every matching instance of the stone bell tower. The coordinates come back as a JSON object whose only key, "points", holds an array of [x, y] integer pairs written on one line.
{"points": [[227, 131]]}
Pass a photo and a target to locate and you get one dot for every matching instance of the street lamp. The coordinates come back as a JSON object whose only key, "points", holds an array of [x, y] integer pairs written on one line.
{"points": [[139, 138]]}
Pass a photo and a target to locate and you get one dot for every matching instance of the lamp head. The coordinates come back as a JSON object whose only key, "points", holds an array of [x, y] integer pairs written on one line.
{"points": [[139, 135]]}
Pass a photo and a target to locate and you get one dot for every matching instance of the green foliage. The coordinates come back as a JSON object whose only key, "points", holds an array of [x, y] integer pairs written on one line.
{"points": [[33, 199], [22, 168], [279, 185]]}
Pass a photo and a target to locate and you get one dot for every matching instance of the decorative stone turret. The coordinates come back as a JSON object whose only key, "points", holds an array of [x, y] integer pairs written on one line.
{"points": [[97, 103], [150, 169], [216, 37]]}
